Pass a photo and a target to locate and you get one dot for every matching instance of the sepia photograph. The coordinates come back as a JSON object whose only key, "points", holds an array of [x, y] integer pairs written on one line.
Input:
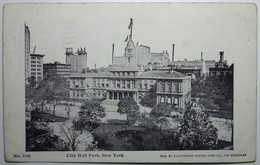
{"points": [[102, 79]]}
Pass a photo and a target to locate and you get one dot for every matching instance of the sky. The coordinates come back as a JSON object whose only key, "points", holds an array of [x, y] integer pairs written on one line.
{"points": [[192, 27]]}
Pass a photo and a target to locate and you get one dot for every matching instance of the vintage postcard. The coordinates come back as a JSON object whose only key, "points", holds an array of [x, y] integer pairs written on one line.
{"points": [[130, 82]]}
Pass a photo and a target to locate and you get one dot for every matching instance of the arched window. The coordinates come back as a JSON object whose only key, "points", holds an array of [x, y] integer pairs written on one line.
{"points": [[162, 99], [169, 100], [176, 101]]}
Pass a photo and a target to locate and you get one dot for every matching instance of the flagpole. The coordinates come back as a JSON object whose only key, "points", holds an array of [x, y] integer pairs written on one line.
{"points": [[131, 28], [131, 32]]}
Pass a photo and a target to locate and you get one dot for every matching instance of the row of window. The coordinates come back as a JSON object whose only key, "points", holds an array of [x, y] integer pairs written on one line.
{"points": [[78, 94], [77, 84], [170, 87], [34, 69], [34, 73], [38, 58], [35, 62], [123, 73], [35, 65], [102, 85], [169, 100]]}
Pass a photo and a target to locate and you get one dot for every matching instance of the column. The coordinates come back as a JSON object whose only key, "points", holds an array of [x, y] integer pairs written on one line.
{"points": [[117, 93], [112, 95]]}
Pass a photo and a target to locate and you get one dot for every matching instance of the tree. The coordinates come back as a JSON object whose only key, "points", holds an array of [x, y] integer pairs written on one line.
{"points": [[161, 113], [149, 100], [128, 106], [39, 137], [57, 88], [52, 89], [89, 115], [197, 132], [73, 136]]}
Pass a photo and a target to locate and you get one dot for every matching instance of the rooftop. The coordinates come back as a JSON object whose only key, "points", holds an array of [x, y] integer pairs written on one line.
{"points": [[39, 55], [162, 74]]}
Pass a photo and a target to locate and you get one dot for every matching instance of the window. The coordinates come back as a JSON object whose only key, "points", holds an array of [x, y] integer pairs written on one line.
{"points": [[162, 87], [176, 101], [38, 69], [39, 66], [133, 84], [81, 83], [33, 58], [140, 86], [38, 58], [169, 87], [145, 86], [162, 99], [103, 85], [169, 100], [33, 61], [39, 78], [81, 94], [107, 85], [38, 62], [33, 69], [33, 73], [39, 73], [123, 84]]}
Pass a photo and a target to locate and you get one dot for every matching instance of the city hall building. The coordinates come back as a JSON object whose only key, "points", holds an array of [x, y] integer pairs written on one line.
{"points": [[127, 77], [171, 87]]}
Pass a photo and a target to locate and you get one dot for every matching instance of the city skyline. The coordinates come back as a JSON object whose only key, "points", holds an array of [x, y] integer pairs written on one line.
{"points": [[98, 35]]}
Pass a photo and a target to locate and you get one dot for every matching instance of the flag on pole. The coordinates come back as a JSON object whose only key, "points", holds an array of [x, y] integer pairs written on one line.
{"points": [[126, 39], [131, 23]]}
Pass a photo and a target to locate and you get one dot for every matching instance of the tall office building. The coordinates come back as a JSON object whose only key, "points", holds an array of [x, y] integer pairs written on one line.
{"points": [[77, 61], [33, 63], [27, 63]]}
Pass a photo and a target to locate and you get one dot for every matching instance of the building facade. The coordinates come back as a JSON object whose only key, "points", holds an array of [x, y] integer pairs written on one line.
{"points": [[221, 68], [36, 68], [119, 83], [195, 64], [77, 60], [27, 50], [63, 70]]}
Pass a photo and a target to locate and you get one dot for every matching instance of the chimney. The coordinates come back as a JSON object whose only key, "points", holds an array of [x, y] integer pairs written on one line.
{"points": [[221, 56], [84, 49], [172, 52], [201, 56], [113, 47]]}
